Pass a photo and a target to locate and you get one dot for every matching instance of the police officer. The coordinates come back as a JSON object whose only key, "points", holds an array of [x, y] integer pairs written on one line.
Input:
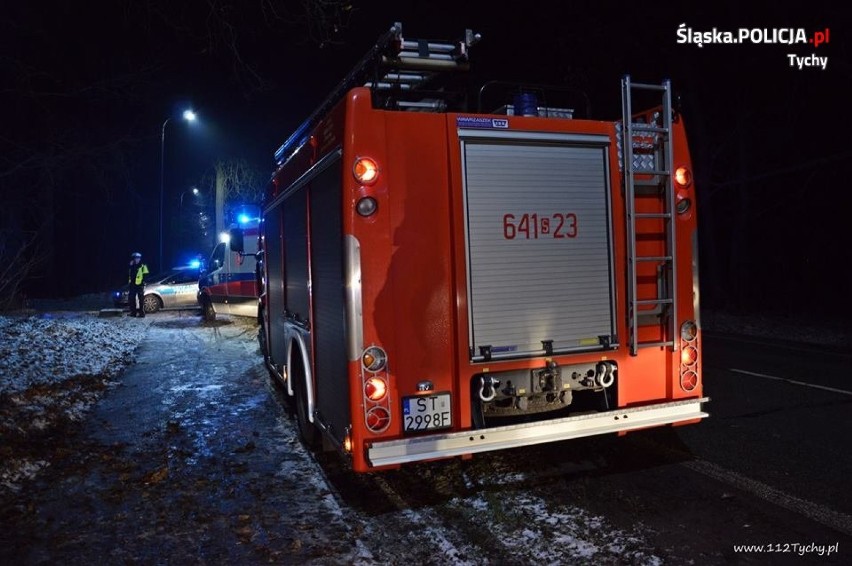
{"points": [[136, 280]]}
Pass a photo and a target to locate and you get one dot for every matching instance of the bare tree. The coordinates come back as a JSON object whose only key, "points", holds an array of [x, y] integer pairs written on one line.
{"points": [[231, 31], [21, 253], [325, 20], [79, 116], [235, 183]]}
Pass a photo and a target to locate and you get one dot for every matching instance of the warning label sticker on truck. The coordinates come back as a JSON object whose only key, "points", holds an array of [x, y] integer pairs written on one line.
{"points": [[481, 122]]}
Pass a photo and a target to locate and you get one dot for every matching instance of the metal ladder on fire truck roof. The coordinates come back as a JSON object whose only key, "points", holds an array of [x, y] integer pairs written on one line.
{"points": [[413, 63], [653, 164], [394, 67]]}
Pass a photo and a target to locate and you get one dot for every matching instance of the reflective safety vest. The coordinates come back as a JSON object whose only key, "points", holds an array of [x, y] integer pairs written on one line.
{"points": [[139, 278]]}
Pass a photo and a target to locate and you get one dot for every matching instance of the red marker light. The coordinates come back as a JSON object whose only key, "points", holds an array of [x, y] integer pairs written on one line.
{"points": [[365, 170], [683, 176], [375, 389]]}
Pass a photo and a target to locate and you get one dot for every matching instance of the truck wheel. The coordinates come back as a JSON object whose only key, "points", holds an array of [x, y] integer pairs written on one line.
{"points": [[307, 431]]}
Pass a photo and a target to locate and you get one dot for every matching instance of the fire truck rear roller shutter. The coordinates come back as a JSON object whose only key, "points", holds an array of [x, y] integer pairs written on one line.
{"points": [[527, 285]]}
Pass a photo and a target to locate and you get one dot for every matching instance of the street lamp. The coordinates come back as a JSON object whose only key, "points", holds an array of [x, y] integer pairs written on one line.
{"points": [[189, 116], [195, 192]]}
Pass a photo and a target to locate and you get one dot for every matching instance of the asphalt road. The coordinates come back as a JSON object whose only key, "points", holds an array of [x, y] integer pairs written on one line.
{"points": [[781, 414], [193, 458], [775, 450]]}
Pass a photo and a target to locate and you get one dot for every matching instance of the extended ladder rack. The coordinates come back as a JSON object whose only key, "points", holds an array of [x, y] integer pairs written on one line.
{"points": [[653, 163], [393, 67]]}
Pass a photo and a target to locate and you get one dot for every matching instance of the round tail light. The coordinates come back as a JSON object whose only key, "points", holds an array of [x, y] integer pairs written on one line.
{"points": [[374, 359], [378, 419], [375, 388], [683, 176], [688, 330], [365, 170]]}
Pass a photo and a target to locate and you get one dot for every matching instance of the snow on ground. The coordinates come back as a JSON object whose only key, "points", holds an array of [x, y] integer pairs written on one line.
{"points": [[545, 532], [54, 366], [46, 349], [56, 362]]}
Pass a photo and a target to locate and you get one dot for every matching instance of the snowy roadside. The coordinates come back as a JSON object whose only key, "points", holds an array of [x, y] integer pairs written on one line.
{"points": [[57, 361], [43, 350], [54, 366]]}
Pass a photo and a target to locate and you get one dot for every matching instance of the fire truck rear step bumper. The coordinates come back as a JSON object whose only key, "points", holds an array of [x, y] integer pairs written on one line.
{"points": [[435, 446]]}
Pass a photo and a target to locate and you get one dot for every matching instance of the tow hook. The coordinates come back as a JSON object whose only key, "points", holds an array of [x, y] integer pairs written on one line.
{"points": [[604, 374], [488, 388]]}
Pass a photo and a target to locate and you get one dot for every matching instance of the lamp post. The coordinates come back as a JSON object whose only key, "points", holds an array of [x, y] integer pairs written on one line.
{"points": [[193, 190], [189, 116]]}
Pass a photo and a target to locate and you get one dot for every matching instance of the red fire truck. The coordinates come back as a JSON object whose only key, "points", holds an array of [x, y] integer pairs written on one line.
{"points": [[438, 282]]}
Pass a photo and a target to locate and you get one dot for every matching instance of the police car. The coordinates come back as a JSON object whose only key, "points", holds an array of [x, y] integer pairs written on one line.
{"points": [[173, 289]]}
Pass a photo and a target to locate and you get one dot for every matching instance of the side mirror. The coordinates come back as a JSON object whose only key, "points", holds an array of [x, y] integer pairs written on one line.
{"points": [[236, 240]]}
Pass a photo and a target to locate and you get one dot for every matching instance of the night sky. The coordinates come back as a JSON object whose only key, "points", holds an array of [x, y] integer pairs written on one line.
{"points": [[86, 87]]}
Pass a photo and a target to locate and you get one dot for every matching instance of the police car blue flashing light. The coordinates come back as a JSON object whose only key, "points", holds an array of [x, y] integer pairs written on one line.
{"points": [[243, 219]]}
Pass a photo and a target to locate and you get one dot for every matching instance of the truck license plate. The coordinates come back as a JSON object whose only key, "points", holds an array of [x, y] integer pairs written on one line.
{"points": [[426, 412]]}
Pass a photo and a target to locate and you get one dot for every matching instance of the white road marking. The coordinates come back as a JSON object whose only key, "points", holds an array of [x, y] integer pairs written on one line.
{"points": [[823, 515], [791, 381]]}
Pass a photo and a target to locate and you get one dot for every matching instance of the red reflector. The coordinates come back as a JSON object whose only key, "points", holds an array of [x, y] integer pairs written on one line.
{"points": [[689, 381], [378, 419]]}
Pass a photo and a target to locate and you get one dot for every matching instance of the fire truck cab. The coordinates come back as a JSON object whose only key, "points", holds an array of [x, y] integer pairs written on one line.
{"points": [[439, 282]]}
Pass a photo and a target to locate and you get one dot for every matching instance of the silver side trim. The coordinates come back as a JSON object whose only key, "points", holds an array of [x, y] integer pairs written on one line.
{"points": [[420, 448], [696, 298], [354, 311]]}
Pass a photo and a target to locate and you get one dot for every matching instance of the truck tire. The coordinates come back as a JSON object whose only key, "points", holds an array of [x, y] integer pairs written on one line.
{"points": [[307, 431]]}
